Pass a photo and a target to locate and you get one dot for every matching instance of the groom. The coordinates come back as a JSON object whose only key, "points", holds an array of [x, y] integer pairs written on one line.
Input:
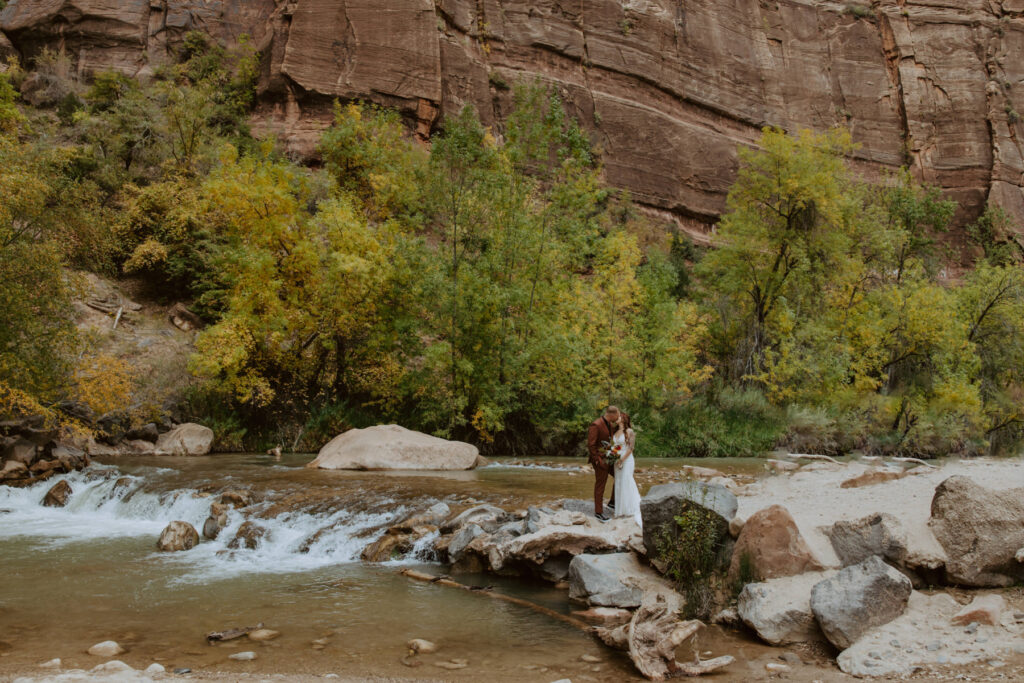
{"points": [[601, 431]]}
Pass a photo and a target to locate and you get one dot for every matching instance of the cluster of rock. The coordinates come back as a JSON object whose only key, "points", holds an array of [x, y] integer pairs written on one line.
{"points": [[867, 607], [30, 453], [117, 437], [180, 535]]}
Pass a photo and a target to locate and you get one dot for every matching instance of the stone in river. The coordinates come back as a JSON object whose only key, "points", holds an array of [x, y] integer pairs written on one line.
{"points": [[247, 656], [154, 668], [52, 664], [177, 536], [421, 646], [108, 648], [391, 447], [263, 634], [114, 666], [57, 496], [604, 580], [185, 439]]}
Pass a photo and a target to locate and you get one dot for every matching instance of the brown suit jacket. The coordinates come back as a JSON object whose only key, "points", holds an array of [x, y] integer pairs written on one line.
{"points": [[600, 431]]}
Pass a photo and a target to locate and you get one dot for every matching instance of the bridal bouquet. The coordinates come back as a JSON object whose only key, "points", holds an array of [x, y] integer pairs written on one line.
{"points": [[612, 453]]}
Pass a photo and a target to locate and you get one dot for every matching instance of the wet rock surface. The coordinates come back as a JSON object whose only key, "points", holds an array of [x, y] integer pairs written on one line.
{"points": [[178, 536]]}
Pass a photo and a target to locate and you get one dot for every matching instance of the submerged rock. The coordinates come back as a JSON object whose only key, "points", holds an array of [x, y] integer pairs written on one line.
{"points": [[108, 648], [243, 656], [57, 496], [859, 598], [391, 447], [177, 536], [980, 530], [421, 646], [770, 546]]}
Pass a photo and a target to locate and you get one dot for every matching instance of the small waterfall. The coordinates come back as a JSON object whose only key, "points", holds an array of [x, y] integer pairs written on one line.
{"points": [[105, 504]]}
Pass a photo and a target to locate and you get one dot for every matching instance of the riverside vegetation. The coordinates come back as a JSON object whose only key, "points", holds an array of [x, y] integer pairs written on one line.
{"points": [[490, 288]]}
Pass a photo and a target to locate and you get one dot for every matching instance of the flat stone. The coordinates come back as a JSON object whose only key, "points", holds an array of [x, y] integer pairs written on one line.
{"points": [[247, 656], [262, 634], [421, 646]]}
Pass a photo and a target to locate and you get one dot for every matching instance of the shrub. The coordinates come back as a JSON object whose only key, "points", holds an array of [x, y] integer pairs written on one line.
{"points": [[690, 553]]}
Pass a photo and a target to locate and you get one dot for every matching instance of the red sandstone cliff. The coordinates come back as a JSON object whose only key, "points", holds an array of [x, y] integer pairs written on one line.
{"points": [[670, 87]]}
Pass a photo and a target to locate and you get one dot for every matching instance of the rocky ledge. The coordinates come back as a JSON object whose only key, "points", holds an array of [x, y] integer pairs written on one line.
{"points": [[30, 453]]}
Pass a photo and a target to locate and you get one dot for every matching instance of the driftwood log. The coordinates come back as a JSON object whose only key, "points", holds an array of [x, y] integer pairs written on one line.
{"points": [[651, 638], [231, 633]]}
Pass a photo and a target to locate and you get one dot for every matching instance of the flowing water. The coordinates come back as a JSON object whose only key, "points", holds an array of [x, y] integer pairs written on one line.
{"points": [[71, 577]]}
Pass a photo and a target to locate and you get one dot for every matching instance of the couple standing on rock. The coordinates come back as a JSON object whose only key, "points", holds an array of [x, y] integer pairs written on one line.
{"points": [[611, 442]]}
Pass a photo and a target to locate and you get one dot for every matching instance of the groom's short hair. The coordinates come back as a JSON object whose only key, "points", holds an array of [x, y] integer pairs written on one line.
{"points": [[611, 410]]}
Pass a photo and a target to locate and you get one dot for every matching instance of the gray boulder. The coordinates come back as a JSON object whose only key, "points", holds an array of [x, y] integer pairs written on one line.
{"points": [[859, 598], [461, 539], [600, 580], [779, 610], [878, 534], [980, 529], [664, 502]]}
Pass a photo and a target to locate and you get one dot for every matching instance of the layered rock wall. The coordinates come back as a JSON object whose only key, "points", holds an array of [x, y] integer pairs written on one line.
{"points": [[669, 88]]}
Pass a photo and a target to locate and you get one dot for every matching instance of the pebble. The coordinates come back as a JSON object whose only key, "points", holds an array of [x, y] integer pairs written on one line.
{"points": [[114, 666], [247, 656], [263, 634], [155, 668], [52, 664], [590, 659], [875, 654], [895, 643], [421, 646], [776, 668], [182, 670], [789, 658], [108, 648], [971, 627], [563, 680], [934, 646], [996, 663]]}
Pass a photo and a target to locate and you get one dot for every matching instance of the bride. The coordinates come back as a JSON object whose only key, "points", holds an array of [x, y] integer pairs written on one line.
{"points": [[627, 495]]}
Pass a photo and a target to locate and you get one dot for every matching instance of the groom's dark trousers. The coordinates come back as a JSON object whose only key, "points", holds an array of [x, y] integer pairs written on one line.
{"points": [[600, 431]]}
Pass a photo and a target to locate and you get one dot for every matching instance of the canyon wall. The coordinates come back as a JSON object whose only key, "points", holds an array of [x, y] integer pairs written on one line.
{"points": [[669, 88]]}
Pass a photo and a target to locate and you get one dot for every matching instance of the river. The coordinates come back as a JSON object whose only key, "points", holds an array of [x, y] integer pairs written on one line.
{"points": [[90, 572]]}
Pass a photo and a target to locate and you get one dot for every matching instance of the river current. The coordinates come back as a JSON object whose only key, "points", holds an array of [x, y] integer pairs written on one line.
{"points": [[90, 572]]}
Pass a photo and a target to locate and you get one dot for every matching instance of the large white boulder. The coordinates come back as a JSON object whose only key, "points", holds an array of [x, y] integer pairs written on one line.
{"points": [[390, 447], [185, 439], [605, 580]]}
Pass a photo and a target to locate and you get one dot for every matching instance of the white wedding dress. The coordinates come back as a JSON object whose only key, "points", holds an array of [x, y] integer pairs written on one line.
{"points": [[627, 495]]}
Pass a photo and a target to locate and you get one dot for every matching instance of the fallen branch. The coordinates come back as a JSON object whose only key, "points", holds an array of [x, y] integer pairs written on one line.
{"points": [[444, 581], [231, 633], [916, 461], [810, 456]]}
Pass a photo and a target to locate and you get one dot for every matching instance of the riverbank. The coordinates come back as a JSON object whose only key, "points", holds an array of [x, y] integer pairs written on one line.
{"points": [[101, 573]]}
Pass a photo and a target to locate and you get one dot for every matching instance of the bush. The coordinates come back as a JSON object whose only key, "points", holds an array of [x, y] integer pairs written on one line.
{"points": [[690, 554], [736, 423]]}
